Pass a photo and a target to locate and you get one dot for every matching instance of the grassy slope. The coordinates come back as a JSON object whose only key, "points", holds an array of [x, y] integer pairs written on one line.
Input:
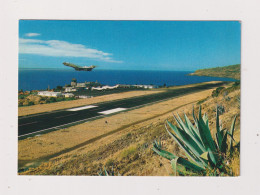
{"points": [[130, 152], [232, 71]]}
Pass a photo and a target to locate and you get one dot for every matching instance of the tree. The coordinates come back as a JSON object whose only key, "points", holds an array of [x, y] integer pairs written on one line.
{"points": [[59, 87]]}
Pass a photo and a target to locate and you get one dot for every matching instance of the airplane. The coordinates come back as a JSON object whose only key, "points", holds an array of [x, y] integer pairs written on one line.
{"points": [[79, 68]]}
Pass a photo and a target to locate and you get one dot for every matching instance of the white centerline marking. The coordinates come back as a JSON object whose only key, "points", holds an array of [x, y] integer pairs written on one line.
{"points": [[112, 111], [82, 108], [28, 123]]}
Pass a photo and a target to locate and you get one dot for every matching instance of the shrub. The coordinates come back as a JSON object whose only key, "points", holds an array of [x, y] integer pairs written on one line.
{"points": [[204, 155], [52, 99], [217, 91], [30, 103], [202, 101]]}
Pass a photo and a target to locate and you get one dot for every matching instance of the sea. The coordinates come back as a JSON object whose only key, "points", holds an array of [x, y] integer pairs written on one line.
{"points": [[41, 79]]}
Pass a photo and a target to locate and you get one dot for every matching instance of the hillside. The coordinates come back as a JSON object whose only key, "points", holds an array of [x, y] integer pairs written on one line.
{"points": [[128, 149], [232, 71]]}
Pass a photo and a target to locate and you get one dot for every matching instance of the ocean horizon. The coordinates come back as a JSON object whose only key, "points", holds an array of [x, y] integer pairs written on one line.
{"points": [[40, 79]]}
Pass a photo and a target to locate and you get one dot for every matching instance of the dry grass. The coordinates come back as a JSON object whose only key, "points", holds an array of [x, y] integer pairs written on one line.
{"points": [[129, 150]]}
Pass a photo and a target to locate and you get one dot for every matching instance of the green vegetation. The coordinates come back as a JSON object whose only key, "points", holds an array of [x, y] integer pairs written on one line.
{"points": [[129, 152], [232, 71], [217, 91], [224, 91], [107, 173], [31, 99], [205, 156]]}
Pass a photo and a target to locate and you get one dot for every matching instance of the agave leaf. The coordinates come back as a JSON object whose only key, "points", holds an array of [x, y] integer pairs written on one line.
{"points": [[194, 117], [232, 134], [185, 127], [189, 133], [174, 165], [212, 157], [158, 144], [185, 163], [194, 130], [194, 158], [100, 173], [205, 119], [178, 122], [112, 171], [206, 135], [182, 145], [187, 140], [163, 153], [189, 164], [106, 173], [219, 136], [205, 156], [199, 114], [224, 145], [189, 124]]}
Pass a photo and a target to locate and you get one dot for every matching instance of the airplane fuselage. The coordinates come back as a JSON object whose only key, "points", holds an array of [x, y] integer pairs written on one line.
{"points": [[79, 68], [83, 69]]}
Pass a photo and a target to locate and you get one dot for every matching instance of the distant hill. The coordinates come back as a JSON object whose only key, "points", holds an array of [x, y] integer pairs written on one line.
{"points": [[232, 71]]}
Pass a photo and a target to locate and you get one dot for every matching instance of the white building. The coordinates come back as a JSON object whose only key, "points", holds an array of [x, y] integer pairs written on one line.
{"points": [[70, 89], [81, 85], [105, 87], [50, 93], [68, 95], [148, 86]]}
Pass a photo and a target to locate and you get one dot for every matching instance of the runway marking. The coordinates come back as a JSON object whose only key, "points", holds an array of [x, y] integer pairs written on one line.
{"points": [[28, 123], [82, 108], [65, 116], [112, 111]]}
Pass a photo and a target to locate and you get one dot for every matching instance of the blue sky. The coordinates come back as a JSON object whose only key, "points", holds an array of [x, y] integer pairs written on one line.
{"points": [[129, 45]]}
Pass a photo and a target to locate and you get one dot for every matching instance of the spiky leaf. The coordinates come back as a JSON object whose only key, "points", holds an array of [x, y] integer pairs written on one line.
{"points": [[163, 153], [205, 134], [174, 165], [194, 146], [205, 155], [232, 134]]}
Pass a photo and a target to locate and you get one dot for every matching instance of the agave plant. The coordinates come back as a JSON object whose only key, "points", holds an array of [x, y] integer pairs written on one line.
{"points": [[202, 151], [107, 173]]}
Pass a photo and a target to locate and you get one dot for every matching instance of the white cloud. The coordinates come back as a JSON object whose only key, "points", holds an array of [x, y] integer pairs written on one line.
{"points": [[32, 34], [58, 48]]}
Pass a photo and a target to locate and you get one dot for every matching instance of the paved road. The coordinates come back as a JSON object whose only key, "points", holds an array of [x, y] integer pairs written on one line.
{"points": [[35, 124]]}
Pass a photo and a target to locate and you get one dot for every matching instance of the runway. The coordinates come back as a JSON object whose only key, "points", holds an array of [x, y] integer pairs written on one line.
{"points": [[41, 123]]}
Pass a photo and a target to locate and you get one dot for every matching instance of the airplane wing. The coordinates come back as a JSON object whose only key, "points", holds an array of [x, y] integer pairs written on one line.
{"points": [[71, 65]]}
